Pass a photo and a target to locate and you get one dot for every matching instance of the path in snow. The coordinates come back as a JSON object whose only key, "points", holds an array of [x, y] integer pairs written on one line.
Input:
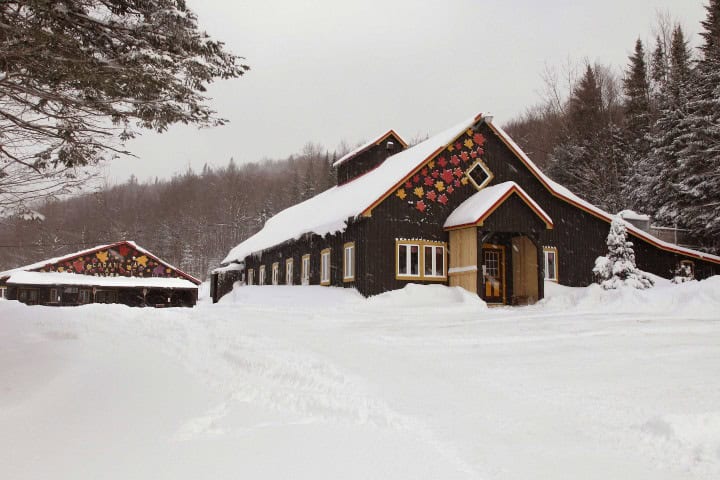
{"points": [[422, 383]]}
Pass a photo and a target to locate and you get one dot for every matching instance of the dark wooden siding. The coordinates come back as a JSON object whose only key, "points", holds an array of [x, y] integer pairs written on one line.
{"points": [[313, 245], [578, 235], [367, 160]]}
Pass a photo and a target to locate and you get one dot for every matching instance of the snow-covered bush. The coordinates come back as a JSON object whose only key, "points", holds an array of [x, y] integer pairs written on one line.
{"points": [[617, 268]]}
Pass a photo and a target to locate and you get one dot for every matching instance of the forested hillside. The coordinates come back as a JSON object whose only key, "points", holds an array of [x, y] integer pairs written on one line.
{"points": [[647, 138], [644, 136], [191, 220]]}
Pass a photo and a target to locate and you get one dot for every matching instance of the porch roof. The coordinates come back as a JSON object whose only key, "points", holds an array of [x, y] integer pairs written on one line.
{"points": [[481, 205]]}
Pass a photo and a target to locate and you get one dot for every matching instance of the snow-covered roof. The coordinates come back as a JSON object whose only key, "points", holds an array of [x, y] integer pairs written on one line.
{"points": [[566, 195], [633, 215], [329, 211], [87, 251], [480, 205], [233, 267], [365, 146], [64, 278]]}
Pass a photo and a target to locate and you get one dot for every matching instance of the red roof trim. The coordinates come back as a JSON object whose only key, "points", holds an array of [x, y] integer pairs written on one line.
{"points": [[368, 211], [603, 216], [371, 144], [486, 214]]}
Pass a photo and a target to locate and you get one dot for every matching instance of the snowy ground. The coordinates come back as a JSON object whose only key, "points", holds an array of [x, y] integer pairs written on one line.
{"points": [[421, 383]]}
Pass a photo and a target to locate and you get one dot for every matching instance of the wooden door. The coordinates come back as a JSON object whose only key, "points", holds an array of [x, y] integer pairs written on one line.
{"points": [[493, 258], [463, 259]]}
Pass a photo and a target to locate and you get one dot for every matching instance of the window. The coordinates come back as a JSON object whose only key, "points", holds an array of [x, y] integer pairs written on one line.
{"points": [[325, 267], [106, 296], [479, 174], [262, 274], [275, 273], [3, 292], [551, 266], [54, 297], [84, 296], [349, 262], [420, 260], [434, 261], [289, 271], [408, 260], [305, 270], [251, 276]]}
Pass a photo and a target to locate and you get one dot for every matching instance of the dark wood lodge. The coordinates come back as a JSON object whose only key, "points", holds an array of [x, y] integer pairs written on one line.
{"points": [[121, 272], [464, 208]]}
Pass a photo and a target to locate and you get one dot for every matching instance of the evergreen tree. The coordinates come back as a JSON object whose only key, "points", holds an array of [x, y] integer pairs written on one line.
{"points": [[592, 160], [585, 106], [637, 94], [659, 66], [655, 180], [617, 268], [697, 203]]}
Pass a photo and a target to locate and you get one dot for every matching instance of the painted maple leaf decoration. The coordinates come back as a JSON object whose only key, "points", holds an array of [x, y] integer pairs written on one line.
{"points": [[437, 180]]}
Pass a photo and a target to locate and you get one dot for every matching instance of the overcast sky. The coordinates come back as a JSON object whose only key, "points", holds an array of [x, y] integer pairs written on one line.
{"points": [[327, 70]]}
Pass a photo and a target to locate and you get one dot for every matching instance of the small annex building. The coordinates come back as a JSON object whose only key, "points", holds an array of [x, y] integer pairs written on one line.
{"points": [[465, 207], [121, 272]]}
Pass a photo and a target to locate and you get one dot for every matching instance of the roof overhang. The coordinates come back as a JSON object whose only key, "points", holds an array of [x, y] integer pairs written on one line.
{"points": [[476, 209]]}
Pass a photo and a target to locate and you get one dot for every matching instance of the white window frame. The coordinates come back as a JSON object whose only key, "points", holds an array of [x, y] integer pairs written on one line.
{"points": [[546, 260], [3, 292], [289, 271], [434, 268], [435, 276], [262, 275], [349, 262], [275, 273], [305, 270], [408, 262], [325, 267], [250, 276]]}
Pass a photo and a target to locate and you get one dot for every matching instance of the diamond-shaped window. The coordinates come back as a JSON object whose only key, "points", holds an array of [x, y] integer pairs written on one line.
{"points": [[479, 174]]}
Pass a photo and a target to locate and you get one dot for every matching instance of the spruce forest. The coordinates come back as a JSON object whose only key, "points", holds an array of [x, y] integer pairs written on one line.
{"points": [[642, 136]]}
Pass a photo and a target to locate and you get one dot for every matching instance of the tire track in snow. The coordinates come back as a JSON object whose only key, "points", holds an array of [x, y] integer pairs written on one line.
{"points": [[276, 375]]}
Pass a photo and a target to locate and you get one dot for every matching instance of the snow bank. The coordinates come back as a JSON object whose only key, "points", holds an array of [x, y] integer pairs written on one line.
{"points": [[416, 296], [690, 299], [298, 296]]}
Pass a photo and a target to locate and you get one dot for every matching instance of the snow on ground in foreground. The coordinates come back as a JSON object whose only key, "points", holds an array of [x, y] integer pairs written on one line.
{"points": [[314, 382]]}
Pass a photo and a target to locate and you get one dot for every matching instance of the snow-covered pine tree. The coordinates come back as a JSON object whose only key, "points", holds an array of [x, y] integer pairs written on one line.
{"points": [[638, 119], [617, 268], [655, 176], [698, 199], [592, 159]]}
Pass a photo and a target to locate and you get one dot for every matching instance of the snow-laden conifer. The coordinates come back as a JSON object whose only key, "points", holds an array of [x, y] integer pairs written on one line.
{"points": [[617, 269]]}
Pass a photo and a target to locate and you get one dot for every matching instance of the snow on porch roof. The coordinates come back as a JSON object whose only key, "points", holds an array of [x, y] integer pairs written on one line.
{"points": [[64, 279], [565, 194], [329, 211], [369, 144], [479, 206]]}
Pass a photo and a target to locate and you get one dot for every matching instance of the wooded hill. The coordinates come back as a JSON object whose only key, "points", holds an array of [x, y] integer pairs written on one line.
{"points": [[647, 138], [191, 220]]}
